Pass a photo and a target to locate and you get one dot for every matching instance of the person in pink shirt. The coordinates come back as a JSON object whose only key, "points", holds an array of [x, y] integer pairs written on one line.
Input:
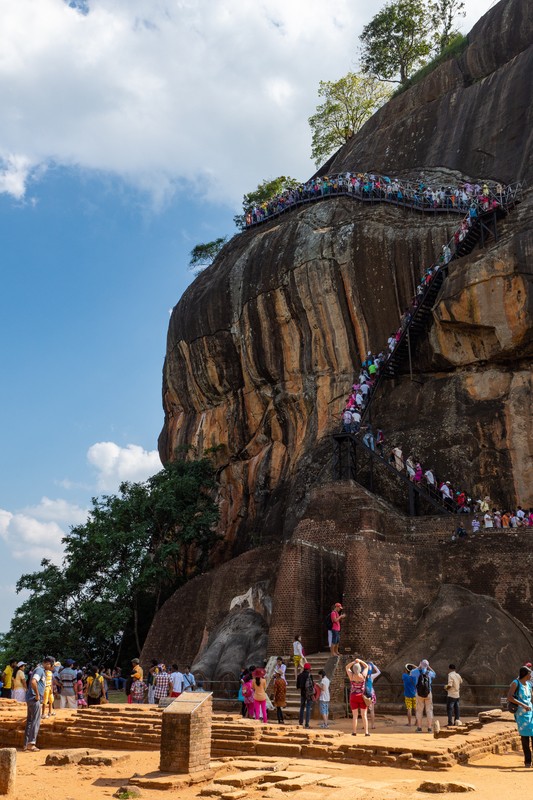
{"points": [[336, 617]]}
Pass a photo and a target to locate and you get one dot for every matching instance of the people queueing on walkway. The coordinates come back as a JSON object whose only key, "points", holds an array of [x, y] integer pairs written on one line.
{"points": [[357, 670], [474, 199]]}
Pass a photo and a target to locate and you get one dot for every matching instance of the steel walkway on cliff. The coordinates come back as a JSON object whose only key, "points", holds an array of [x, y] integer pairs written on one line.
{"points": [[482, 228], [506, 199]]}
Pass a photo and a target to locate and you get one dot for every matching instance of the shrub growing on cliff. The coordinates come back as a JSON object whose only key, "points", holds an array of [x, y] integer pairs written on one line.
{"points": [[348, 103], [203, 255], [135, 549]]}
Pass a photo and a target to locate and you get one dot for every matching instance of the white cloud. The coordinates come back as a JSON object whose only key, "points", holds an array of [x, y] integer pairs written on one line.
{"points": [[170, 94], [116, 464], [29, 538], [58, 511]]}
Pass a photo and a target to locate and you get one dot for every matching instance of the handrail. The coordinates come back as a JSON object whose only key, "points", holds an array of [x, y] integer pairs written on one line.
{"points": [[412, 196]]}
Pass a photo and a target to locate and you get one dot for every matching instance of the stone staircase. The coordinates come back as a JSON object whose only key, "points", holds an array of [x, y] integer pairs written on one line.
{"points": [[317, 661]]}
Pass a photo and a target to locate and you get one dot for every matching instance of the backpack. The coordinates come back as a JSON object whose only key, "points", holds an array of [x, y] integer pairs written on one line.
{"points": [[310, 689], [423, 685], [329, 622], [95, 689]]}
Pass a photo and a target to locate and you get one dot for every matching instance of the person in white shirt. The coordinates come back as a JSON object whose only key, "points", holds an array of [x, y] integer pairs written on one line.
{"points": [[487, 520], [298, 655], [324, 699], [176, 679], [445, 491], [453, 686], [280, 669], [430, 478]]}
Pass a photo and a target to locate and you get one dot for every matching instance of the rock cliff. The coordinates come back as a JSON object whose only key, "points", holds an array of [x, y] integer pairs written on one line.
{"points": [[263, 346]]}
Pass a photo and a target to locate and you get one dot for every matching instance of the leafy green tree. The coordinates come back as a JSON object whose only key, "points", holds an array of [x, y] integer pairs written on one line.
{"points": [[135, 549], [203, 255], [348, 103], [443, 16], [264, 192], [397, 40]]}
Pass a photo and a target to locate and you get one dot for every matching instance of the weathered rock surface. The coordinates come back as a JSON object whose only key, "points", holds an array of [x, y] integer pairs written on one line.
{"points": [[441, 787], [263, 347]]}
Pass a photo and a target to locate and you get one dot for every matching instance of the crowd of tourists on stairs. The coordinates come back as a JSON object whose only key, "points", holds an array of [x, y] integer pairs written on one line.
{"points": [[481, 196]]}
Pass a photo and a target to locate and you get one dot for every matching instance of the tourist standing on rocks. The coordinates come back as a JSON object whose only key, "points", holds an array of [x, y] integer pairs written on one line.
{"points": [[260, 695], [34, 699], [424, 675], [7, 677], [409, 692], [323, 700], [298, 655], [453, 687], [306, 685], [95, 687], [357, 671], [336, 617], [519, 695], [279, 697], [20, 687]]}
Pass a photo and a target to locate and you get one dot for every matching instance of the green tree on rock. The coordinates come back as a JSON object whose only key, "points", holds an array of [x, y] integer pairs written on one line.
{"points": [[397, 40], [348, 103], [264, 192], [203, 255], [443, 17]]}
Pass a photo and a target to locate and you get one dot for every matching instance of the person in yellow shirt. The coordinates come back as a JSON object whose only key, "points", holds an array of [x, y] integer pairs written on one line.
{"points": [[48, 698], [7, 678]]}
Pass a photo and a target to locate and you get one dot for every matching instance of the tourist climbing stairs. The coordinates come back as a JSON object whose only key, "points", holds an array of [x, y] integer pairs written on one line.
{"points": [[317, 661]]}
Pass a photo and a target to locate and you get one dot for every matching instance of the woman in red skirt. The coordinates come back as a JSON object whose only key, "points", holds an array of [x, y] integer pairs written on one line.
{"points": [[357, 671]]}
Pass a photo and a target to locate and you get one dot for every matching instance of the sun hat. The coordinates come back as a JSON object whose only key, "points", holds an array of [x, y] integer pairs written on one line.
{"points": [[338, 605], [21, 664]]}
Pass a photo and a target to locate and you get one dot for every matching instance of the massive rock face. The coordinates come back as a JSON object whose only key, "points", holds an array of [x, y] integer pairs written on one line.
{"points": [[263, 347]]}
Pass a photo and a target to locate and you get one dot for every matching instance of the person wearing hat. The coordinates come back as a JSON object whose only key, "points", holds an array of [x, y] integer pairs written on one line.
{"points": [[409, 692], [260, 695], [67, 680], [20, 686], [336, 617], [34, 698], [306, 685]]}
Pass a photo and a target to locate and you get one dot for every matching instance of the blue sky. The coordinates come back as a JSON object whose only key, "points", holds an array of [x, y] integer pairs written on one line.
{"points": [[129, 130]]}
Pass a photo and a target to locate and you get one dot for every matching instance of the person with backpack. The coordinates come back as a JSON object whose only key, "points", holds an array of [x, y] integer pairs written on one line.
{"points": [[519, 703], [95, 687], [424, 675], [306, 685]]}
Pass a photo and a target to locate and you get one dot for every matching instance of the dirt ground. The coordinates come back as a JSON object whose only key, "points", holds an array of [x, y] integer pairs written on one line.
{"points": [[494, 777]]}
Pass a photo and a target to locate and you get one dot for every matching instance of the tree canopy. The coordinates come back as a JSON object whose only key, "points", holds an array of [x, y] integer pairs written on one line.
{"points": [[135, 549], [264, 192], [404, 34], [203, 255], [348, 103]]}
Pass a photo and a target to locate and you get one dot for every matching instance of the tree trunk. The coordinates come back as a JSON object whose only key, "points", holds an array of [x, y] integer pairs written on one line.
{"points": [[136, 624]]}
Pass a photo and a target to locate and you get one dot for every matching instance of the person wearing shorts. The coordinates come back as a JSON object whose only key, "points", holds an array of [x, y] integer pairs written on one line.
{"points": [[409, 692], [298, 656], [357, 671], [336, 617]]}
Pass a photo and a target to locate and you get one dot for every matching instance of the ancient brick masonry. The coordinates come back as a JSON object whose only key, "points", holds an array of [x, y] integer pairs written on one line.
{"points": [[186, 734]]}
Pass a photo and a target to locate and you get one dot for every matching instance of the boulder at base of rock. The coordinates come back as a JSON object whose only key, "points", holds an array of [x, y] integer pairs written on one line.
{"points": [[440, 787], [125, 792]]}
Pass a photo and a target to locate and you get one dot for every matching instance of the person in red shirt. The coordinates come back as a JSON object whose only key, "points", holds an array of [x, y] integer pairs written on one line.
{"points": [[336, 617]]}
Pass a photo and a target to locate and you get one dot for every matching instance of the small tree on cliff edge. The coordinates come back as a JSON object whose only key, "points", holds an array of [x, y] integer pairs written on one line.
{"points": [[348, 103], [264, 192], [203, 255], [397, 40], [443, 16]]}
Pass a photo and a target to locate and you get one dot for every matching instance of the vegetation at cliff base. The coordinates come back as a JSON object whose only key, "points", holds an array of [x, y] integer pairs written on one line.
{"points": [[134, 551], [348, 103]]}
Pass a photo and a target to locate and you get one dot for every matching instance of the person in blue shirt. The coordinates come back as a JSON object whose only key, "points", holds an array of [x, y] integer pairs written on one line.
{"points": [[424, 676], [409, 692], [520, 696], [34, 699]]}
